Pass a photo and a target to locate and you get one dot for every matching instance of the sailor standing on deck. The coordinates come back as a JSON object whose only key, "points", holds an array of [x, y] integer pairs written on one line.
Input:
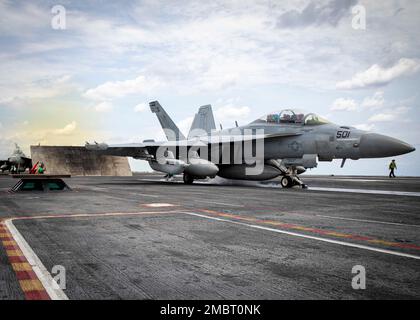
{"points": [[392, 167]]}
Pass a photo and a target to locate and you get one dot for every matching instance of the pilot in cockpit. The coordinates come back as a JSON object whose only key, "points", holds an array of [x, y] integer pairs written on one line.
{"points": [[292, 117]]}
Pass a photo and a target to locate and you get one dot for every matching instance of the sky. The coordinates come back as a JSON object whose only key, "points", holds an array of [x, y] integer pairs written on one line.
{"points": [[90, 75]]}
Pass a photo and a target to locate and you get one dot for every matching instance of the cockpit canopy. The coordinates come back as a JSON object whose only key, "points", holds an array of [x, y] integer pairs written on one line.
{"points": [[290, 116]]}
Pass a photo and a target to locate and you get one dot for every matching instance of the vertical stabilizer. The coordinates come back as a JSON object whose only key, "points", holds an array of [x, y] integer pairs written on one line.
{"points": [[203, 122], [172, 132]]}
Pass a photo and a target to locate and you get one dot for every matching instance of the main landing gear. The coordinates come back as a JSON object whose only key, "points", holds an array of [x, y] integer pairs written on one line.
{"points": [[188, 179]]}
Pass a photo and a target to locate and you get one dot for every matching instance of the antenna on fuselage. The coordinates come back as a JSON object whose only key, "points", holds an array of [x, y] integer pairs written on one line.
{"points": [[221, 128], [236, 123]]}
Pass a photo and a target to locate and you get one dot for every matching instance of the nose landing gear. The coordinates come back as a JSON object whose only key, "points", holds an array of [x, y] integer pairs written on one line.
{"points": [[288, 181], [289, 174]]}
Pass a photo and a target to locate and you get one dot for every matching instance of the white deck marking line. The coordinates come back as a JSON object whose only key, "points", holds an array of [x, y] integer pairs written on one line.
{"points": [[386, 192], [158, 205], [221, 203], [350, 179], [144, 195], [93, 215], [139, 193], [371, 221], [160, 180], [42, 273], [343, 243], [38, 267]]}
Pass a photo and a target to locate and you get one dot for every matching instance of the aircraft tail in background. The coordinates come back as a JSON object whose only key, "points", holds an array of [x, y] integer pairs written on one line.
{"points": [[203, 121]]}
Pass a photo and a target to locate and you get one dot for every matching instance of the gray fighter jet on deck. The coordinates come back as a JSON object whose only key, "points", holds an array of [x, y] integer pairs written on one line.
{"points": [[16, 163], [293, 141]]}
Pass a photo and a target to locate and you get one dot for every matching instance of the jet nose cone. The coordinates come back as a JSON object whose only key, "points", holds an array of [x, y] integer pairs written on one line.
{"points": [[373, 145]]}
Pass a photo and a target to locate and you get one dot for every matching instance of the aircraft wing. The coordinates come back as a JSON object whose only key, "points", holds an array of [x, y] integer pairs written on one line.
{"points": [[147, 149], [135, 150]]}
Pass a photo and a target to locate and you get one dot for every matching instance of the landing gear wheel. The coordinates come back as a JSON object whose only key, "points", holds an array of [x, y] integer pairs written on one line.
{"points": [[188, 179], [286, 182]]}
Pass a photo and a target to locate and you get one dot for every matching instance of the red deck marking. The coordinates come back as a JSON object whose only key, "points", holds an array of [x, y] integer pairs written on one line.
{"points": [[330, 233], [17, 259], [7, 239], [11, 247], [28, 280], [26, 275], [37, 295]]}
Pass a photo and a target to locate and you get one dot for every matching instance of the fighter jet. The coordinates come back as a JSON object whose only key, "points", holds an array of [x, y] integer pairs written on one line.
{"points": [[292, 140], [17, 162]]}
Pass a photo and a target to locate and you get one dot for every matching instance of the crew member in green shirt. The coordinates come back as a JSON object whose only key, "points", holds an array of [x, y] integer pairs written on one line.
{"points": [[41, 168], [392, 167]]}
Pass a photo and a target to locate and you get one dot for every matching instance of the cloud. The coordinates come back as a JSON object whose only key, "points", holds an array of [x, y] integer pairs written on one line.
{"points": [[67, 130], [231, 112], [342, 104], [365, 126], [140, 107], [23, 16], [213, 47], [117, 89], [193, 47], [316, 13], [185, 125], [378, 76], [103, 106], [227, 115], [383, 117], [390, 115], [371, 103], [374, 102], [17, 94], [6, 148]]}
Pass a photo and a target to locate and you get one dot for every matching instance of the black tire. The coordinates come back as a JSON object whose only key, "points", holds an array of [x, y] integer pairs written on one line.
{"points": [[188, 179], [286, 182]]}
